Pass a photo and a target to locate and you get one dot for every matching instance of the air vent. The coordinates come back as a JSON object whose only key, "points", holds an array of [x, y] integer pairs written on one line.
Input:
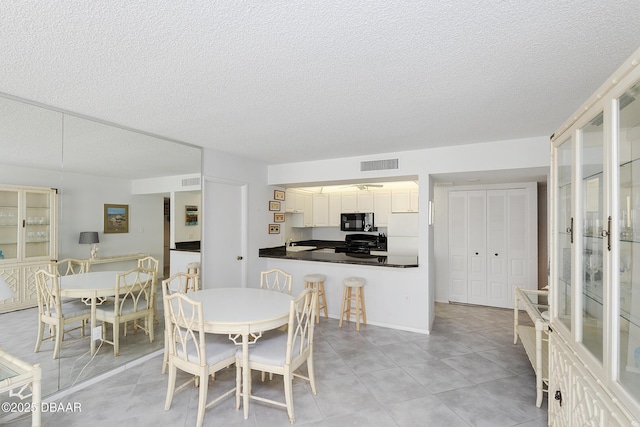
{"points": [[378, 165], [190, 181]]}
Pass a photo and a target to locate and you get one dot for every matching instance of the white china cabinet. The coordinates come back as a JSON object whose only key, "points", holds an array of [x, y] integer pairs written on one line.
{"points": [[594, 343], [28, 240]]}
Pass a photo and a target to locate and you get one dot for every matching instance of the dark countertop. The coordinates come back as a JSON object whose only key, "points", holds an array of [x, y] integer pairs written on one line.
{"points": [[187, 246], [340, 258]]}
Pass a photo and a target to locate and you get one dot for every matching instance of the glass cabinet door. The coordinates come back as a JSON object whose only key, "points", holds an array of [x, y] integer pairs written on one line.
{"points": [[593, 221], [564, 160], [37, 224], [628, 314], [9, 219]]}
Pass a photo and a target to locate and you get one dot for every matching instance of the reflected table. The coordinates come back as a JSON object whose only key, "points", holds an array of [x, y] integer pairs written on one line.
{"points": [[244, 312]]}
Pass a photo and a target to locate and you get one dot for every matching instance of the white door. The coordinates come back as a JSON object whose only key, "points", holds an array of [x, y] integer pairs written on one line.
{"points": [[458, 246], [477, 246], [224, 242], [518, 239], [498, 294]]}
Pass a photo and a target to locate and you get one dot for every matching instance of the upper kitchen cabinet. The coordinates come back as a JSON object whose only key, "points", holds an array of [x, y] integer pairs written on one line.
{"points": [[381, 208], [320, 210], [353, 202], [335, 209], [594, 346], [404, 201]]}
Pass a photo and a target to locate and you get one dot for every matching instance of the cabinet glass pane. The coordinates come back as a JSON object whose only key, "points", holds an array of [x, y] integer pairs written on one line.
{"points": [[9, 218], [593, 221], [563, 241], [37, 226], [629, 222]]}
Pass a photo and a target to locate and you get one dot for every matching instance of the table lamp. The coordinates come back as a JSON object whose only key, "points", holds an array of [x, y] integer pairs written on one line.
{"points": [[5, 290], [91, 238]]}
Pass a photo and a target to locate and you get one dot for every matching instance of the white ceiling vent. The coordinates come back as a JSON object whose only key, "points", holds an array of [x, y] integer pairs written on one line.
{"points": [[190, 181], [378, 165]]}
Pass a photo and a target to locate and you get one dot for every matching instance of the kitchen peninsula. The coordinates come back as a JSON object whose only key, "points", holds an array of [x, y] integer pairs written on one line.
{"points": [[321, 254]]}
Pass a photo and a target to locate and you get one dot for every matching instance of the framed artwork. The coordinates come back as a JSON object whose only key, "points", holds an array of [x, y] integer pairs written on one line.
{"points": [[274, 228], [116, 218], [274, 206], [191, 215], [278, 194], [278, 217]]}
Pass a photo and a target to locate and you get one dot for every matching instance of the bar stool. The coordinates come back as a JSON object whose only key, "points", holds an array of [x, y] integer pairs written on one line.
{"points": [[316, 282], [193, 268], [353, 301]]}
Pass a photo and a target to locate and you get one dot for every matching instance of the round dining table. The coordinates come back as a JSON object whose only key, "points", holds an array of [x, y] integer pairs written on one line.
{"points": [[244, 312]]}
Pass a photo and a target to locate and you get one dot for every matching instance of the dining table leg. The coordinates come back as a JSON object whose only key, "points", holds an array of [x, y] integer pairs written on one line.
{"points": [[246, 374], [93, 323]]}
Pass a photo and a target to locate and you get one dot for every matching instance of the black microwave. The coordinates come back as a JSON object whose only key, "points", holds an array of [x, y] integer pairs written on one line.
{"points": [[356, 221]]}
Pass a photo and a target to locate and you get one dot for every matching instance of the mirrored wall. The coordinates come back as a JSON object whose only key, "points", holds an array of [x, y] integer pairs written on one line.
{"points": [[90, 164]]}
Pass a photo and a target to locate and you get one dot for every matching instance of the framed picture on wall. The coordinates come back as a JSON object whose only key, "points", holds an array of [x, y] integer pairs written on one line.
{"points": [[278, 217], [274, 228], [274, 206], [278, 194], [191, 215], [116, 218]]}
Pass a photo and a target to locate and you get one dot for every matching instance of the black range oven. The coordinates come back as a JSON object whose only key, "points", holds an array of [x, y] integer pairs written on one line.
{"points": [[360, 244]]}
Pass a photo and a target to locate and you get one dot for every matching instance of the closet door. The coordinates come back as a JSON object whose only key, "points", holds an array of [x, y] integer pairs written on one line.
{"points": [[458, 246], [498, 293], [477, 246], [518, 238]]}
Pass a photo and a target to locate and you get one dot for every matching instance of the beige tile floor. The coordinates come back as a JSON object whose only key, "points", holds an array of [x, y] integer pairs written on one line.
{"points": [[467, 372]]}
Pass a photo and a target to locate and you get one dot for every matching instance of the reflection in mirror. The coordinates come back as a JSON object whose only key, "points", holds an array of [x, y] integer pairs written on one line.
{"points": [[91, 164]]}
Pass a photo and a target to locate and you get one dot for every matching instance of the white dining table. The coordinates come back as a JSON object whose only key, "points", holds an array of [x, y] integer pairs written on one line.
{"points": [[243, 311], [92, 285]]}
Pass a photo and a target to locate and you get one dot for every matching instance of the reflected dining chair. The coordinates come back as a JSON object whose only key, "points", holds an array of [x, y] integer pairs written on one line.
{"points": [[150, 263], [68, 266], [52, 312], [283, 353], [276, 280], [193, 351], [178, 283], [133, 301]]}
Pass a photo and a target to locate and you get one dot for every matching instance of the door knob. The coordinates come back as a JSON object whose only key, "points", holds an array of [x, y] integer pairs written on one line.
{"points": [[239, 258]]}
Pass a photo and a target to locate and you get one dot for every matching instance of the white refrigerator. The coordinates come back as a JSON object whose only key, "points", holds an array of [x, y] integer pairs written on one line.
{"points": [[402, 234]]}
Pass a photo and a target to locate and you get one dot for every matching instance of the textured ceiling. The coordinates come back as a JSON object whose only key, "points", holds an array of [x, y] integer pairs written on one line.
{"points": [[285, 81]]}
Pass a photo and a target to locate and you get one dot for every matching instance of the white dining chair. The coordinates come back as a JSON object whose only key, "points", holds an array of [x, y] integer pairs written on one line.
{"points": [[133, 301], [283, 353], [150, 263], [52, 312], [193, 351], [178, 283], [276, 280]]}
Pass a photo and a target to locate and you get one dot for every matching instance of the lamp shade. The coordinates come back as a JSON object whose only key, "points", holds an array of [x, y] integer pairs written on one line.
{"points": [[5, 291], [89, 237]]}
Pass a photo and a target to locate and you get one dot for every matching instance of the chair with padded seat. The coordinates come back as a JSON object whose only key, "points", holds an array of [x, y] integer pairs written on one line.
{"points": [[150, 263], [52, 312], [194, 351], [133, 301], [282, 353], [181, 283], [68, 266], [276, 280]]}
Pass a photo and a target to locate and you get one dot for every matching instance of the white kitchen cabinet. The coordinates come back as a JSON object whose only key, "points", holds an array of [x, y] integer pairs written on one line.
{"points": [[594, 343], [308, 210], [381, 208], [404, 200], [28, 240], [295, 201], [492, 244], [353, 202], [335, 209], [320, 210]]}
